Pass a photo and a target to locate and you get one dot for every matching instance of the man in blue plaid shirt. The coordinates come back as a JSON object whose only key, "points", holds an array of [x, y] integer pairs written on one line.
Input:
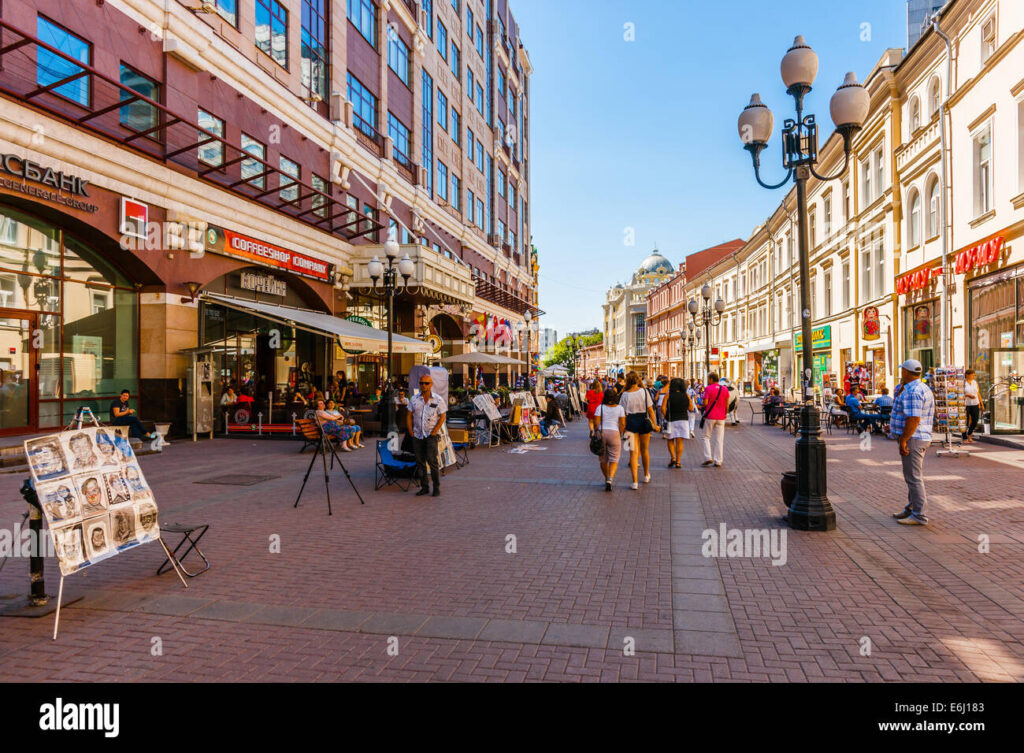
{"points": [[911, 425]]}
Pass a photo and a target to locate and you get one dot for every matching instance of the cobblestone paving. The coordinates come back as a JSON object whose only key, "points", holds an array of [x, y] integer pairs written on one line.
{"points": [[593, 574]]}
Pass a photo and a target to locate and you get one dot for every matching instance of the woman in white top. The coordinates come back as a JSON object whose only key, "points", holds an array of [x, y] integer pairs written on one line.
{"points": [[609, 419], [637, 403], [975, 405]]}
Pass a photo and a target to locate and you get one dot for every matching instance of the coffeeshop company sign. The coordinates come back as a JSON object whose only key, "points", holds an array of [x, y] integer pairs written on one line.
{"points": [[263, 283], [230, 243]]}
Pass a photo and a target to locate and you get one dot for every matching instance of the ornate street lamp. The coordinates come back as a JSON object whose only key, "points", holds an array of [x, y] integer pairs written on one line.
{"points": [[705, 315], [389, 286], [811, 510]]}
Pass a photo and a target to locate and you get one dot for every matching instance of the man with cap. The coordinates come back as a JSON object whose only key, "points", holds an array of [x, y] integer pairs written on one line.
{"points": [[911, 425]]}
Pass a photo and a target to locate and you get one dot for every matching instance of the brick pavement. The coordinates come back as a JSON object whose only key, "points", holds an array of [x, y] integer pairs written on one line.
{"points": [[590, 569]]}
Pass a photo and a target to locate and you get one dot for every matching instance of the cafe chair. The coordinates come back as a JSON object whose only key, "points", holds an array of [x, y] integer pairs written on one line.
{"points": [[391, 471]]}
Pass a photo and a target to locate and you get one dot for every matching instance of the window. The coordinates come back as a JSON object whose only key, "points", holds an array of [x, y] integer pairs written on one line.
{"points": [[814, 296], [512, 240], [442, 180], [427, 7], [914, 220], [399, 135], [846, 200], [470, 144], [363, 15], [442, 110], [480, 216], [320, 202], [512, 196], [228, 10], [212, 153], [469, 22], [252, 170], [364, 106], [812, 226], [934, 96], [865, 171], [879, 171], [469, 83], [456, 129], [501, 231], [865, 275], [442, 40], [428, 130], [454, 62], [502, 182], [915, 115], [480, 41], [289, 187], [456, 195], [470, 207], [314, 48], [881, 284], [983, 171], [479, 155], [480, 99], [398, 56], [272, 30], [846, 285], [100, 302], [789, 250], [988, 38], [501, 83], [138, 115], [933, 207], [51, 68]]}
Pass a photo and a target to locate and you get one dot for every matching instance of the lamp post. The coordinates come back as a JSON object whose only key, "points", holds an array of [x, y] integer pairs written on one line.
{"points": [[810, 510], [705, 315], [528, 318], [388, 275]]}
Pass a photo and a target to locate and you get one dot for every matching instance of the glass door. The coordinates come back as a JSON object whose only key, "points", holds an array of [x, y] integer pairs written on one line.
{"points": [[17, 373], [1007, 401]]}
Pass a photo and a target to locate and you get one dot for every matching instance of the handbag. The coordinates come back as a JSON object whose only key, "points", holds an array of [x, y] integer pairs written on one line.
{"points": [[704, 413], [597, 443], [640, 423]]}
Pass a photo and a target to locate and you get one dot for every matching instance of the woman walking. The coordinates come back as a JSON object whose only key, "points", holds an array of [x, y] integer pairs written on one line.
{"points": [[594, 397], [610, 419], [640, 422], [975, 405], [678, 409]]}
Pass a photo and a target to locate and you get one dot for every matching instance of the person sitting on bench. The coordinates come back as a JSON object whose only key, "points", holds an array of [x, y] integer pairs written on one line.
{"points": [[122, 415]]}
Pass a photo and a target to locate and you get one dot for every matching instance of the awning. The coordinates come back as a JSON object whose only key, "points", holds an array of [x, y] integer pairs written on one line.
{"points": [[349, 335]]}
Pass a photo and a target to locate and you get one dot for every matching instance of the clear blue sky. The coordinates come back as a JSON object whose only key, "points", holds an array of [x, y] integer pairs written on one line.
{"points": [[643, 134]]}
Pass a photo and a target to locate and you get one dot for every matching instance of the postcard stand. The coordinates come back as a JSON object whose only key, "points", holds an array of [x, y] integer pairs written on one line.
{"points": [[950, 410], [76, 423], [326, 446]]}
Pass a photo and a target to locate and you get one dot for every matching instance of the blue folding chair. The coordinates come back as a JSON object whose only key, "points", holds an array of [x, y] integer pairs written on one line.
{"points": [[391, 471]]}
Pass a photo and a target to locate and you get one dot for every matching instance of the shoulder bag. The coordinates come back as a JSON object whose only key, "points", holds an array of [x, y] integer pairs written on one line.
{"points": [[708, 409], [640, 423]]}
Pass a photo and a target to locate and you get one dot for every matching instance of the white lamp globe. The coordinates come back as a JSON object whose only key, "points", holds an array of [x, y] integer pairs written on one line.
{"points": [[850, 104], [755, 122], [375, 268], [406, 266], [800, 65]]}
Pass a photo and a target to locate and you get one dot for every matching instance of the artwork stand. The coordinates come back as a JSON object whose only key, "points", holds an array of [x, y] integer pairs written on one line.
{"points": [[326, 446]]}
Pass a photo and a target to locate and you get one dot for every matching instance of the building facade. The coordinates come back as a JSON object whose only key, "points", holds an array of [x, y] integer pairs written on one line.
{"points": [[624, 318], [548, 338], [172, 169]]}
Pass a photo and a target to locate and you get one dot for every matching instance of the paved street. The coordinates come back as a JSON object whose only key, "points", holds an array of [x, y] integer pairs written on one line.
{"points": [[592, 575]]}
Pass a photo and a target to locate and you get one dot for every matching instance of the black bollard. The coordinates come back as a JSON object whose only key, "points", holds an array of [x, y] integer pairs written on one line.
{"points": [[37, 592]]}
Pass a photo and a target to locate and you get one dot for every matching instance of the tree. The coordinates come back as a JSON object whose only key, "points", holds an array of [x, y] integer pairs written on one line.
{"points": [[561, 353]]}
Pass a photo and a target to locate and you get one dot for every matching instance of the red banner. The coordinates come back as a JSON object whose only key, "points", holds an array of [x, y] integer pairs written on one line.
{"points": [[977, 256], [227, 242]]}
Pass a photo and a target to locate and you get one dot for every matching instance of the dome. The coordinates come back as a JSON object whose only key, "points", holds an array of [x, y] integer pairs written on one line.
{"points": [[655, 264]]}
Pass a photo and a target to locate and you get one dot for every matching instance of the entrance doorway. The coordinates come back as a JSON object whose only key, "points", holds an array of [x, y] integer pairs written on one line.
{"points": [[1007, 400], [18, 373]]}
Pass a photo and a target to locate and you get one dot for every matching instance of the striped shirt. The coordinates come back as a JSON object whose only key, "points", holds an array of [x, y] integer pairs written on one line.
{"points": [[914, 400]]}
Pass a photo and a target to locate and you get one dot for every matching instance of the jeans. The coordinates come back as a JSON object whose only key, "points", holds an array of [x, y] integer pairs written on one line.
{"points": [[714, 434], [134, 425], [426, 457], [973, 414], [913, 474]]}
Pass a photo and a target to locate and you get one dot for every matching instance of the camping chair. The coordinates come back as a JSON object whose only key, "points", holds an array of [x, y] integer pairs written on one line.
{"points": [[756, 409], [390, 471], [461, 442]]}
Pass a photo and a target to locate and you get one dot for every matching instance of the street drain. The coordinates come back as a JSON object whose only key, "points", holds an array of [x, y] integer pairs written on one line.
{"points": [[236, 479]]}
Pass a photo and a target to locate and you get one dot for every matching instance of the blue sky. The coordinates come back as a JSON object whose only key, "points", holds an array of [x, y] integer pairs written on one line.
{"points": [[642, 134]]}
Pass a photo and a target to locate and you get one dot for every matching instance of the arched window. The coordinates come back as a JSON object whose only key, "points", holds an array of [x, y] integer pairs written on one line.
{"points": [[932, 192], [934, 96], [914, 220], [915, 115]]}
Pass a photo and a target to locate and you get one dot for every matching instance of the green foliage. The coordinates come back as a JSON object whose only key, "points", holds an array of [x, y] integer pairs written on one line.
{"points": [[561, 353]]}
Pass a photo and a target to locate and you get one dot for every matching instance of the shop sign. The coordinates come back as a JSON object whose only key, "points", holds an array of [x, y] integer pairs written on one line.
{"points": [[62, 183], [435, 343], [357, 320], [871, 328], [229, 243], [261, 283], [134, 218], [922, 278], [977, 256], [821, 337]]}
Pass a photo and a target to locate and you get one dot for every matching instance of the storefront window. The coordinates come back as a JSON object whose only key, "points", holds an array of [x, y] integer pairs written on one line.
{"points": [[920, 332], [99, 340], [997, 329]]}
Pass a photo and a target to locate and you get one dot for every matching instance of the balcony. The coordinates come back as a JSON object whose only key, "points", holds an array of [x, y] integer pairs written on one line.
{"points": [[174, 139], [505, 298], [441, 280]]}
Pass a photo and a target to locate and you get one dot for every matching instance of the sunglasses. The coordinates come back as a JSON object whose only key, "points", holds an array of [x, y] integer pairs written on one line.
{"points": [[424, 384]]}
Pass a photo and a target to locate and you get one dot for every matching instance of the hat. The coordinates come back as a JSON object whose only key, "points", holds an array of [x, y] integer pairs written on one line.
{"points": [[911, 365]]}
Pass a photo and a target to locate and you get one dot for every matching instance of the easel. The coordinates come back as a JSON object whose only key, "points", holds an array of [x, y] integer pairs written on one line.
{"points": [[76, 424], [322, 449]]}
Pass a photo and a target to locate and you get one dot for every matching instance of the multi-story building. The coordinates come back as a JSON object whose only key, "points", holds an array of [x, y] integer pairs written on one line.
{"points": [[548, 338], [919, 13], [592, 361], [214, 177], [625, 316]]}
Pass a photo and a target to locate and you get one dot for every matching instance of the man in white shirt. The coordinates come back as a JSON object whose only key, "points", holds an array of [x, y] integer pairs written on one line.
{"points": [[424, 421]]}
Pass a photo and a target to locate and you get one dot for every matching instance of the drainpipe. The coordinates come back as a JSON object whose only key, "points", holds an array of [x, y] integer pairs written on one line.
{"points": [[944, 319]]}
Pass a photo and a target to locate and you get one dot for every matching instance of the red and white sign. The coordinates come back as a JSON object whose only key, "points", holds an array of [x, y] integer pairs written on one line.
{"points": [[917, 280], [219, 240], [977, 256], [134, 218]]}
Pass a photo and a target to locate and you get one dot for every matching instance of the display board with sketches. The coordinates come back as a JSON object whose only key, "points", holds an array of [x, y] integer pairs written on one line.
{"points": [[486, 405], [93, 494], [574, 397]]}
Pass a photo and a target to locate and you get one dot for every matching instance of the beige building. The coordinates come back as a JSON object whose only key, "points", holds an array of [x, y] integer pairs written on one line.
{"points": [[625, 316]]}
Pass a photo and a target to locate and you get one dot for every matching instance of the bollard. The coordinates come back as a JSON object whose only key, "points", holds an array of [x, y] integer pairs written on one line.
{"points": [[37, 592]]}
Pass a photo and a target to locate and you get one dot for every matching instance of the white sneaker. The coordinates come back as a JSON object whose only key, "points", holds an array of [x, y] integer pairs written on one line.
{"points": [[647, 479], [635, 485]]}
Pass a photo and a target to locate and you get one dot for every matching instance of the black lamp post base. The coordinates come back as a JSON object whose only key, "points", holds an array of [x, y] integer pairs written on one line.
{"points": [[810, 509], [807, 514]]}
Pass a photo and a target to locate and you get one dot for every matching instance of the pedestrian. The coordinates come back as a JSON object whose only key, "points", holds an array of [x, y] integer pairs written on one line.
{"points": [[610, 420], [716, 406], [695, 402], [975, 405], [594, 397], [640, 422], [423, 422], [620, 384], [660, 395], [678, 407], [911, 425]]}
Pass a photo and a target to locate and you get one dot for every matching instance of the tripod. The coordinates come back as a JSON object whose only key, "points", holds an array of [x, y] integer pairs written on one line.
{"points": [[325, 445]]}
